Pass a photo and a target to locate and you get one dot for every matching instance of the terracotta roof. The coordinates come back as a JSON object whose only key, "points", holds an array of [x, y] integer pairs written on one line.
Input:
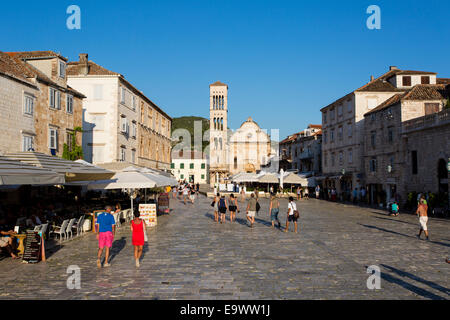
{"points": [[94, 69], [412, 72], [442, 81], [389, 102], [36, 54], [32, 72], [319, 126], [428, 92], [218, 84], [10, 67]]}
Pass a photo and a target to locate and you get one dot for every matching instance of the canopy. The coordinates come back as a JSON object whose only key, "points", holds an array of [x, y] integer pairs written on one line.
{"points": [[269, 178], [294, 178], [245, 177], [72, 170], [17, 173]]}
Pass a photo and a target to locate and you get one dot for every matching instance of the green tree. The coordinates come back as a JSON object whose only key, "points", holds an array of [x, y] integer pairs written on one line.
{"points": [[77, 151]]}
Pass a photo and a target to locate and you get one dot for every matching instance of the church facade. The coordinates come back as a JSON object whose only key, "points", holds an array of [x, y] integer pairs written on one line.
{"points": [[248, 149]]}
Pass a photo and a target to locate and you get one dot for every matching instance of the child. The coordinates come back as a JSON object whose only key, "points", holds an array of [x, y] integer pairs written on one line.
{"points": [[138, 238], [394, 209]]}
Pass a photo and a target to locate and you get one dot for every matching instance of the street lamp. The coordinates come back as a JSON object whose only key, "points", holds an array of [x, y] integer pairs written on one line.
{"points": [[389, 168]]}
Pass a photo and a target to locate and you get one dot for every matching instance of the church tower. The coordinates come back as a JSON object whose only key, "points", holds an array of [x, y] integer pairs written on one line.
{"points": [[218, 124]]}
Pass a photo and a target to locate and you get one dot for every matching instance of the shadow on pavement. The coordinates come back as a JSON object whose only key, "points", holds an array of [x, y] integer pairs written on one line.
{"points": [[395, 220], [418, 279], [117, 246]]}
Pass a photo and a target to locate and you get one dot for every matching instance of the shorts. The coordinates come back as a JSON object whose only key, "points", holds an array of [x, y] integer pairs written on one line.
{"points": [[232, 208], [292, 218], [223, 210], [423, 223], [274, 214], [105, 239], [251, 214], [192, 197]]}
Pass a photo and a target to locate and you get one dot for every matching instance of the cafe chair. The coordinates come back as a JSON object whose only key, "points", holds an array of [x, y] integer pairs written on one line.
{"points": [[61, 230], [69, 228], [79, 225]]}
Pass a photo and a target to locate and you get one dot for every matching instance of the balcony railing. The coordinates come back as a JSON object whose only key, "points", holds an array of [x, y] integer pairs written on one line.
{"points": [[427, 121]]}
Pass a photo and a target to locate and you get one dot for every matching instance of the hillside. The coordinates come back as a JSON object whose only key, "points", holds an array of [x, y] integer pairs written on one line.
{"points": [[188, 124]]}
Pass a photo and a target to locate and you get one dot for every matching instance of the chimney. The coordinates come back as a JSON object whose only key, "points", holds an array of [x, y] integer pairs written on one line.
{"points": [[393, 68], [84, 66], [371, 78]]}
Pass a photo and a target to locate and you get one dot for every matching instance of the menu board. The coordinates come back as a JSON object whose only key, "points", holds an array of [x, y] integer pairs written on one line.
{"points": [[33, 245], [148, 214]]}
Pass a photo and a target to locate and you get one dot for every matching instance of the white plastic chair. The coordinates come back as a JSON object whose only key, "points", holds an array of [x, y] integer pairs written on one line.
{"points": [[62, 230], [69, 228], [77, 226], [43, 229], [37, 228]]}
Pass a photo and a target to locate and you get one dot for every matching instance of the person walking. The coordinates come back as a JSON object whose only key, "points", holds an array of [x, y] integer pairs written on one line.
{"points": [[421, 211], [185, 193], [251, 209], [223, 207], [291, 214], [233, 207], [317, 192], [138, 236], [274, 209], [299, 193], [174, 192], [105, 234], [242, 193], [192, 196], [216, 207], [307, 193]]}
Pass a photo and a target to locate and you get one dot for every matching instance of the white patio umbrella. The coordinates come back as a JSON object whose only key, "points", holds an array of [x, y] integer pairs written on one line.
{"points": [[281, 178]]}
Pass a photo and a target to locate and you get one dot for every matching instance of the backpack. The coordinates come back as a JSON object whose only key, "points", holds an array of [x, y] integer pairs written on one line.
{"points": [[222, 203]]}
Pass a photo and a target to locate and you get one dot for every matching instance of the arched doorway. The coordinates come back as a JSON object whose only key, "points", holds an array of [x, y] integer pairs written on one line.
{"points": [[442, 176]]}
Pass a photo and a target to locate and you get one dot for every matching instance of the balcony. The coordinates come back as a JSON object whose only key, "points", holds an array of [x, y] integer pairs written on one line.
{"points": [[306, 155], [431, 120]]}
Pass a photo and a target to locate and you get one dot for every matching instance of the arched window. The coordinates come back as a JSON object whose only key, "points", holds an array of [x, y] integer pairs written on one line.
{"points": [[221, 124], [215, 143], [220, 141], [223, 102], [235, 162], [214, 120]]}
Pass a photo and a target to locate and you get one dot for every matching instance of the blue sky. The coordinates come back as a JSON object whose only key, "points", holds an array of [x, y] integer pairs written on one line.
{"points": [[282, 60]]}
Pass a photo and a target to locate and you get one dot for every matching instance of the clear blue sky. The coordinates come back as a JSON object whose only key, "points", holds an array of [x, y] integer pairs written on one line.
{"points": [[282, 60]]}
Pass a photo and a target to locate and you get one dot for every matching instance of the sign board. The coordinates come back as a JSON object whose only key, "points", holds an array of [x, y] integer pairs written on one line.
{"points": [[33, 245], [148, 214]]}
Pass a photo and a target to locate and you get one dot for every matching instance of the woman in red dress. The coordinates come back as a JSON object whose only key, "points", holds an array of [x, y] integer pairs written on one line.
{"points": [[137, 228]]}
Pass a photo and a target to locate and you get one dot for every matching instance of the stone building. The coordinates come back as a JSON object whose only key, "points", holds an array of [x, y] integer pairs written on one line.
{"points": [[302, 151], [57, 107], [343, 126], [387, 156], [190, 166], [18, 95], [120, 124], [248, 149]]}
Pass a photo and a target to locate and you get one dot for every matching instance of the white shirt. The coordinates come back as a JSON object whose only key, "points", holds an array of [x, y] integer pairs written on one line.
{"points": [[292, 206]]}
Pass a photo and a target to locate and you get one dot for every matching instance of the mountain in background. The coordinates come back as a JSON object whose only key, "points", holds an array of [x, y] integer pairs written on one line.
{"points": [[188, 124]]}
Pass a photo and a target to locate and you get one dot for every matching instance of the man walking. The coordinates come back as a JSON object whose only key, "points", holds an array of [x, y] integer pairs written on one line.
{"points": [[292, 208], [251, 209], [105, 234], [422, 209], [317, 192]]}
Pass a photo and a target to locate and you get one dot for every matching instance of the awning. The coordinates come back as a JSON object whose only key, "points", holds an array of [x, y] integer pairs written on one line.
{"points": [[14, 172], [72, 170], [294, 178], [245, 177], [269, 178]]}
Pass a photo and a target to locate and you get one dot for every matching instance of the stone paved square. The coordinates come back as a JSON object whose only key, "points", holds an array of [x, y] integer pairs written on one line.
{"points": [[189, 256]]}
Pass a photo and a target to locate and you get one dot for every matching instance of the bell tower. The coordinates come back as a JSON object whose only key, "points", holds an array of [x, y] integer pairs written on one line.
{"points": [[218, 124]]}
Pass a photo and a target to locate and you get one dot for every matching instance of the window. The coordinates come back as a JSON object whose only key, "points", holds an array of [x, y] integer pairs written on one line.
{"points": [[373, 136], [172, 165], [53, 139], [122, 154], [97, 154], [28, 106], [69, 140], [191, 166], [350, 156], [324, 137], [203, 177], [332, 159], [98, 91], [390, 135], [181, 176], [414, 162], [122, 95], [371, 103], [391, 162], [406, 80], [350, 130], [425, 80], [431, 108], [203, 166], [133, 129], [341, 157], [124, 126], [332, 136], [134, 102], [372, 117], [340, 130], [332, 114], [133, 156], [373, 164], [27, 143], [62, 69], [69, 104], [98, 122], [349, 106], [324, 117], [52, 97], [181, 165], [340, 110], [325, 159]]}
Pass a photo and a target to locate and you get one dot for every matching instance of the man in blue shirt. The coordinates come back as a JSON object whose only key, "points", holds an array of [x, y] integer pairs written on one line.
{"points": [[105, 229]]}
